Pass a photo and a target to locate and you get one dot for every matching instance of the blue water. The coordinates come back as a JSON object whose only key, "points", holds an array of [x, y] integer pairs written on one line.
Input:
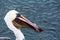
{"points": [[45, 13]]}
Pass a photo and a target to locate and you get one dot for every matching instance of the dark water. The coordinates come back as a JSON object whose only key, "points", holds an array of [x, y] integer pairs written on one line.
{"points": [[45, 13]]}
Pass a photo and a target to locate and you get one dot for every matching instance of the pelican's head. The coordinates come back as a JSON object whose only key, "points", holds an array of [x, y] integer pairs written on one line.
{"points": [[19, 20], [11, 15]]}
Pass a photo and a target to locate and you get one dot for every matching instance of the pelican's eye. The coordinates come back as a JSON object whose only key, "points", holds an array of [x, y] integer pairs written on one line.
{"points": [[18, 15]]}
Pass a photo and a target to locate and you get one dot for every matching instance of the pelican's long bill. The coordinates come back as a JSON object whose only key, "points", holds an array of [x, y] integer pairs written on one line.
{"points": [[22, 22]]}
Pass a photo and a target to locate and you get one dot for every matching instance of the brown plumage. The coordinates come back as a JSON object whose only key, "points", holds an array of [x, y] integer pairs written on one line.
{"points": [[20, 24]]}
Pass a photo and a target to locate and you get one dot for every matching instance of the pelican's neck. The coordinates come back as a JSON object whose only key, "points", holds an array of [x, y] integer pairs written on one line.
{"points": [[19, 35]]}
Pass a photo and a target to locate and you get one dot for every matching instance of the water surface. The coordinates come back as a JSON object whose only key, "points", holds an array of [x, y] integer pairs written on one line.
{"points": [[45, 13]]}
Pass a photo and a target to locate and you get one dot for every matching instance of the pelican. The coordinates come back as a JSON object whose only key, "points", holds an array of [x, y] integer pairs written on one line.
{"points": [[15, 20]]}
